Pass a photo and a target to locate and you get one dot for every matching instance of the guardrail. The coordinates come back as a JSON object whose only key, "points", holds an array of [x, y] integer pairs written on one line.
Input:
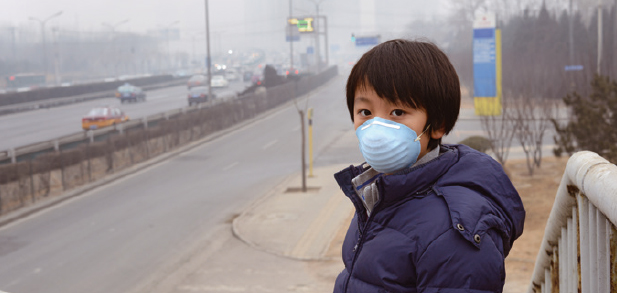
{"points": [[579, 249], [65, 142]]}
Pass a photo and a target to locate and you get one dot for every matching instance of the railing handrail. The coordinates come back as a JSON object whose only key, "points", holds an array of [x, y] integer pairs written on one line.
{"points": [[590, 174]]}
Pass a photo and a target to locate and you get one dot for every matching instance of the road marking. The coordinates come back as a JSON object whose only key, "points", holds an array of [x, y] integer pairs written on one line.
{"points": [[269, 144], [296, 128], [230, 166]]}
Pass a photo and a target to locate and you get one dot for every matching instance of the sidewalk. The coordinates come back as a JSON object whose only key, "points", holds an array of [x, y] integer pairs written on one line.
{"points": [[296, 224], [286, 241]]}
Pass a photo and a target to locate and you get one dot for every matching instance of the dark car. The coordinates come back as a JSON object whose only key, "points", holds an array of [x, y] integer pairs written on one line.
{"points": [[199, 94], [130, 93]]}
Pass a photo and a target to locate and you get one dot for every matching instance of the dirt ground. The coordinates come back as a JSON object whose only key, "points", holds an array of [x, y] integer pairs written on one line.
{"points": [[538, 194]]}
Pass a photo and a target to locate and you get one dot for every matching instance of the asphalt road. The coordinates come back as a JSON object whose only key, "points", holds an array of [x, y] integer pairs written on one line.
{"points": [[120, 236], [29, 127]]}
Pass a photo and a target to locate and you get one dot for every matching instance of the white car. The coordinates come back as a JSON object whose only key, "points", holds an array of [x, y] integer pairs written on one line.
{"points": [[219, 81]]}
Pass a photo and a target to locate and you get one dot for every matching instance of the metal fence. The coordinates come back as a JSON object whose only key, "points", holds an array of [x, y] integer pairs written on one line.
{"points": [[579, 249]]}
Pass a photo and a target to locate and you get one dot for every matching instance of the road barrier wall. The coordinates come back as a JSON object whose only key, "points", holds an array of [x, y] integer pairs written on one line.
{"points": [[58, 96], [58, 92], [49, 169]]}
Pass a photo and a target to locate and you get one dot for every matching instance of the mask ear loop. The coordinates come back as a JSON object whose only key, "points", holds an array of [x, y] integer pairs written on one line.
{"points": [[418, 138]]}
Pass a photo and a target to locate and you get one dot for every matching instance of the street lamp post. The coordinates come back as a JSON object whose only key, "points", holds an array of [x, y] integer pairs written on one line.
{"points": [[43, 22], [113, 27], [167, 39], [208, 61]]}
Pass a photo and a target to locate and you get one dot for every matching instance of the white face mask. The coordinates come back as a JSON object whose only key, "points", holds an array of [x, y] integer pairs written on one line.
{"points": [[388, 146]]}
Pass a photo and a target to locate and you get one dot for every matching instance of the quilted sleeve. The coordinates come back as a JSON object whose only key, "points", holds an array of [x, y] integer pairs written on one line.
{"points": [[450, 264]]}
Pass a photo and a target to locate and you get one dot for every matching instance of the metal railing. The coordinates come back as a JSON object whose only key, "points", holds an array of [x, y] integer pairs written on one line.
{"points": [[580, 241]]}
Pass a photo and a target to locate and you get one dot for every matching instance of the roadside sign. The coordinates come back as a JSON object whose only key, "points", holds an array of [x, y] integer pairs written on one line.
{"points": [[486, 66], [367, 41], [573, 67], [304, 25], [309, 50]]}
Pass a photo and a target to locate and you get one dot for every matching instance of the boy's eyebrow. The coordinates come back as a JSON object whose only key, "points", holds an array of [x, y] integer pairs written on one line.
{"points": [[361, 99]]}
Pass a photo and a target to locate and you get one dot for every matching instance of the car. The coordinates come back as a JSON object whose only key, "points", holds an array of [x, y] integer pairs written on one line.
{"points": [[292, 71], [199, 94], [197, 80], [219, 81], [257, 79], [104, 116], [231, 75], [130, 93]]}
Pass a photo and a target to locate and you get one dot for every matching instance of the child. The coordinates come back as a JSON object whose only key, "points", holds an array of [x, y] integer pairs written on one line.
{"points": [[429, 217]]}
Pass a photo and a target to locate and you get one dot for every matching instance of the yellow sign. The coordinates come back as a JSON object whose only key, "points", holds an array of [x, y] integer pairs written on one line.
{"points": [[305, 25]]}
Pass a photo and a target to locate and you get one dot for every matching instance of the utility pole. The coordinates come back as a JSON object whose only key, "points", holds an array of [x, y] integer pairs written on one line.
{"points": [[316, 28], [114, 49], [291, 43], [43, 22], [571, 34], [167, 39], [599, 37], [208, 53], [13, 51], [325, 21]]}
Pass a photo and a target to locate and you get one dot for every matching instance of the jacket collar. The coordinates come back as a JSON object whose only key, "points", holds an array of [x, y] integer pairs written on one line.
{"points": [[395, 187]]}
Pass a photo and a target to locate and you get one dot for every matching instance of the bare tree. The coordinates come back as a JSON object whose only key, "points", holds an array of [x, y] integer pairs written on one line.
{"points": [[500, 131], [532, 118]]}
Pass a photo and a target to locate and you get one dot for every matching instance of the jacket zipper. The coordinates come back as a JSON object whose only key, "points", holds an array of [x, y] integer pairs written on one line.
{"points": [[358, 245], [361, 230]]}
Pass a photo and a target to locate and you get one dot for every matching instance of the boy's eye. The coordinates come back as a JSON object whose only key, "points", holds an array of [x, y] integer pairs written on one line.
{"points": [[397, 112], [365, 112]]}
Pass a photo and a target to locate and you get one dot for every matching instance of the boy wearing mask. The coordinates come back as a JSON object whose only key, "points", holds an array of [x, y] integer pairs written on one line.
{"points": [[429, 217]]}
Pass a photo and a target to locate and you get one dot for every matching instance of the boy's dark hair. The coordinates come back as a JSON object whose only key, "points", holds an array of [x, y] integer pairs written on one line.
{"points": [[412, 73]]}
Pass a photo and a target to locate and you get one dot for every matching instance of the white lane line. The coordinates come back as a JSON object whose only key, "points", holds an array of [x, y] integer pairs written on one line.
{"points": [[230, 166], [269, 144], [296, 128]]}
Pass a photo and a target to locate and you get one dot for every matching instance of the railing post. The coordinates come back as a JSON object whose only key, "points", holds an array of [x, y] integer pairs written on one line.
{"points": [[593, 239], [583, 207], [563, 259], [91, 135], [602, 255], [13, 155]]}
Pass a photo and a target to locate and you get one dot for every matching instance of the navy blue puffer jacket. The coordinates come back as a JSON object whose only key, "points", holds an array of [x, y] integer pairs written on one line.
{"points": [[444, 226]]}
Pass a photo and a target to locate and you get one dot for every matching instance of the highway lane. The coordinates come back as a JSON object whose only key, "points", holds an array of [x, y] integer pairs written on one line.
{"points": [[24, 128], [142, 226]]}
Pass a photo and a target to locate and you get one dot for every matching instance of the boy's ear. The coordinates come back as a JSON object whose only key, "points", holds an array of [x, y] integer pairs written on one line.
{"points": [[438, 133]]}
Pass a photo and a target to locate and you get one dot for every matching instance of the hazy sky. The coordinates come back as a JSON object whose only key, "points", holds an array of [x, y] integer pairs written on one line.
{"points": [[233, 23], [142, 15]]}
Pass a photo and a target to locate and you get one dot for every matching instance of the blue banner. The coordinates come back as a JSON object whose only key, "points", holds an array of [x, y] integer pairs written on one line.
{"points": [[484, 66]]}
